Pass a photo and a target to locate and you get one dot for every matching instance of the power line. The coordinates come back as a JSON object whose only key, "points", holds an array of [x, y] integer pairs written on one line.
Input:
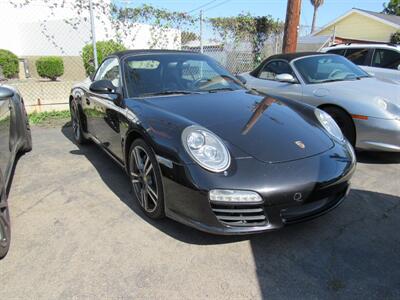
{"points": [[201, 6], [217, 5]]}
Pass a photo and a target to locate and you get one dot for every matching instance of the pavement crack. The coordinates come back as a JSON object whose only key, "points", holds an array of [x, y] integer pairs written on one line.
{"points": [[36, 203]]}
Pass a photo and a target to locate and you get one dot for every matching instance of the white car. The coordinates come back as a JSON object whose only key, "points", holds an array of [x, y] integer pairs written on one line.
{"points": [[379, 60]]}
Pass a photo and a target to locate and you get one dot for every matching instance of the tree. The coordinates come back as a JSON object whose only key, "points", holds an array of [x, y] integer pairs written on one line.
{"points": [[245, 27], [395, 38], [188, 36], [161, 20], [316, 4], [50, 67], [392, 8]]}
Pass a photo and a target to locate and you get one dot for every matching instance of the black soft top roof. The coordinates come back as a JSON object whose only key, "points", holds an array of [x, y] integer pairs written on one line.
{"points": [[287, 57]]}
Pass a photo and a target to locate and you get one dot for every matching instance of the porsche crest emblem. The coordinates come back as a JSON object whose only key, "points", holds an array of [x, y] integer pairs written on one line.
{"points": [[300, 144]]}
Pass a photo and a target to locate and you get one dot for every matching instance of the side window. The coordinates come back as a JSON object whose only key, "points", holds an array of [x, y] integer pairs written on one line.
{"points": [[384, 58], [109, 70], [357, 56], [273, 68], [337, 51]]}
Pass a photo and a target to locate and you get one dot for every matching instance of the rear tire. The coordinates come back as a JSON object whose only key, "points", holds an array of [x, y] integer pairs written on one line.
{"points": [[76, 122], [5, 226], [27, 147], [145, 176], [344, 121]]}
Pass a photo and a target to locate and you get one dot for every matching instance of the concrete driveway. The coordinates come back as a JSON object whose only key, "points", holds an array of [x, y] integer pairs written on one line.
{"points": [[77, 233]]}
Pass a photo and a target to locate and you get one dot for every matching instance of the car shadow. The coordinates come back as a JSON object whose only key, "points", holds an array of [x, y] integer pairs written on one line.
{"points": [[373, 157], [351, 251], [117, 181]]}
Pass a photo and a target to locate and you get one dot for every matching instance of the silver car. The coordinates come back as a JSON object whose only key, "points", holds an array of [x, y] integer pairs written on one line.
{"points": [[366, 109]]}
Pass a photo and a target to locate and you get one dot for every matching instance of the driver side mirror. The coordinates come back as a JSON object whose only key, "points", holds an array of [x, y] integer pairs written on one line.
{"points": [[285, 78], [6, 93], [398, 67], [103, 87]]}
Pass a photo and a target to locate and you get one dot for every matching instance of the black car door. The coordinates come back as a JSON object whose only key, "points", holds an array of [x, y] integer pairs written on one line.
{"points": [[106, 115], [5, 145]]}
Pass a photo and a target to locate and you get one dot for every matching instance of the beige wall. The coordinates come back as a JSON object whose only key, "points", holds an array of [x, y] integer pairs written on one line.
{"points": [[359, 27]]}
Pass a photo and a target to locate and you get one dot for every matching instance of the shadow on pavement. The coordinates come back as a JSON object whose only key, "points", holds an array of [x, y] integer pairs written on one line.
{"points": [[372, 157], [351, 251], [117, 180]]}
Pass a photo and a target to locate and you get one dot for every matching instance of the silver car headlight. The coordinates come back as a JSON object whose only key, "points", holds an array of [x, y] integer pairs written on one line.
{"points": [[206, 148], [329, 124]]}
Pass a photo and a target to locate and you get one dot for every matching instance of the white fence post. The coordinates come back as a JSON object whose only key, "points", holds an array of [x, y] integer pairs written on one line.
{"points": [[93, 29]]}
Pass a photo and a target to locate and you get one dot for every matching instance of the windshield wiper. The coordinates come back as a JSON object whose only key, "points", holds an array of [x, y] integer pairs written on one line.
{"points": [[331, 80], [182, 92], [220, 89]]}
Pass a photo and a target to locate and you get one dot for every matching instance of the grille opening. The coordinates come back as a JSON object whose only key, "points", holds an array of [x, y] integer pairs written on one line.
{"points": [[240, 215]]}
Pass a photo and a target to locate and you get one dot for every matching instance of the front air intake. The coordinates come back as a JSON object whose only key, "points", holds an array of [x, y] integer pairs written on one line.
{"points": [[240, 215]]}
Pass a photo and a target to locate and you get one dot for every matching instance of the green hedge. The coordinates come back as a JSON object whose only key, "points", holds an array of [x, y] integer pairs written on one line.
{"points": [[50, 67], [9, 64], [395, 38], [104, 48]]}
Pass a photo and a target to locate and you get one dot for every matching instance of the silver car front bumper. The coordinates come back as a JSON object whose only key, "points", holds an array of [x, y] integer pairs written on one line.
{"points": [[377, 134]]}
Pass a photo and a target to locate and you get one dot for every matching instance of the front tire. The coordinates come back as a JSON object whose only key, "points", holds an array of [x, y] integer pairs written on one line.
{"points": [[5, 226], [344, 121], [145, 176]]}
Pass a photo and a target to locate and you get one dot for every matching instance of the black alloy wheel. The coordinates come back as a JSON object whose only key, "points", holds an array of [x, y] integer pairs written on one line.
{"points": [[146, 181], [76, 124]]}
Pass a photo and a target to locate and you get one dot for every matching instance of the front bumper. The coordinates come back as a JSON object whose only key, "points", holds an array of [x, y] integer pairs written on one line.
{"points": [[377, 134], [322, 181]]}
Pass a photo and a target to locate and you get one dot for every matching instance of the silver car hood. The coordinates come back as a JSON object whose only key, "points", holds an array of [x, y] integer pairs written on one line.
{"points": [[365, 89]]}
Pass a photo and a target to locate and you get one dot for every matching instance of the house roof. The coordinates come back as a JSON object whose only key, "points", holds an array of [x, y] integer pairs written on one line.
{"points": [[390, 20]]}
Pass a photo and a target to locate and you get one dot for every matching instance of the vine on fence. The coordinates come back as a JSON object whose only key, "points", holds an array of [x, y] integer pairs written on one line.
{"points": [[245, 27]]}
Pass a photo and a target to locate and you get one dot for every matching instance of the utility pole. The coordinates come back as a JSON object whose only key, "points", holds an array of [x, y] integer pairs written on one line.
{"points": [[201, 31], [291, 26], [93, 29]]}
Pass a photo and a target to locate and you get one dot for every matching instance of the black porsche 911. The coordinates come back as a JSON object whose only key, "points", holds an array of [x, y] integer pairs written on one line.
{"points": [[202, 149], [15, 137]]}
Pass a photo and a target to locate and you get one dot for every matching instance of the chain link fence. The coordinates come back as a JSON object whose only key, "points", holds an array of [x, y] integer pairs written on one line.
{"points": [[37, 29]]}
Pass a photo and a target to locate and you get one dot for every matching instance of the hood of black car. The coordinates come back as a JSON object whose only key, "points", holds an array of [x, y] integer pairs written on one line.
{"points": [[264, 127]]}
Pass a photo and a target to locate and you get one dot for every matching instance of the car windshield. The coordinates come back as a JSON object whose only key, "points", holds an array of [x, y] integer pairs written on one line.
{"points": [[327, 68], [182, 73]]}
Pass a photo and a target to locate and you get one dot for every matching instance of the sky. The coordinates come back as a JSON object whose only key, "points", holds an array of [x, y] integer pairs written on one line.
{"points": [[276, 8]]}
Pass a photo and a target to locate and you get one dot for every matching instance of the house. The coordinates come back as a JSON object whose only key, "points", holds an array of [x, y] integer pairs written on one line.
{"points": [[358, 25], [41, 28]]}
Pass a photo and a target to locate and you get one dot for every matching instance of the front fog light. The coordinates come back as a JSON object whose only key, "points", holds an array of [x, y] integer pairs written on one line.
{"points": [[234, 196]]}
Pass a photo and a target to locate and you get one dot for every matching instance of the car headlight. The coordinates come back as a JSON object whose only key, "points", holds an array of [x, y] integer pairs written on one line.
{"points": [[206, 148], [329, 124]]}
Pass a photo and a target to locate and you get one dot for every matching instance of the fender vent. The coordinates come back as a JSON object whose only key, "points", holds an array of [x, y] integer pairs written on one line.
{"points": [[240, 215]]}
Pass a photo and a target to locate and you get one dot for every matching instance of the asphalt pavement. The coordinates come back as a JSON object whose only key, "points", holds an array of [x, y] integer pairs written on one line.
{"points": [[78, 233]]}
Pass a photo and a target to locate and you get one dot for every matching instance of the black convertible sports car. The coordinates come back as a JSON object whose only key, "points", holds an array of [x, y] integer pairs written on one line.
{"points": [[202, 149], [15, 137]]}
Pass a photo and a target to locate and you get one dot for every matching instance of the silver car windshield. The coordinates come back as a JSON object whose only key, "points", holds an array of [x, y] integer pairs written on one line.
{"points": [[327, 68]]}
